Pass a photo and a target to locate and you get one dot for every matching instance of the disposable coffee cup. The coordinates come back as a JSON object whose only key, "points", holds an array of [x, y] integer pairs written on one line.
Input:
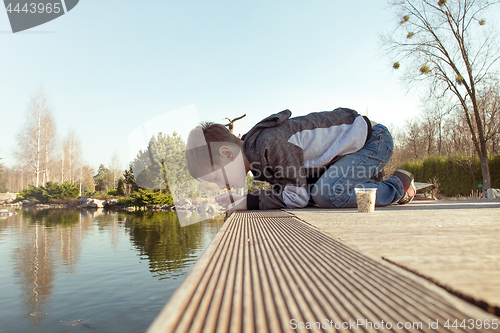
{"points": [[365, 198]]}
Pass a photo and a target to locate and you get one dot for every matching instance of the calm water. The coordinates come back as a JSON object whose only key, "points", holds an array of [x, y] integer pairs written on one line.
{"points": [[72, 271]]}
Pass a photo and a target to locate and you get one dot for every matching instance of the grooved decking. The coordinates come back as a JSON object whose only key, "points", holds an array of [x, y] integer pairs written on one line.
{"points": [[269, 271]]}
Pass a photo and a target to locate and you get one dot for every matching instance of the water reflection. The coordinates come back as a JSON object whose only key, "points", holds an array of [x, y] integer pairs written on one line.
{"points": [[51, 217], [49, 244], [160, 238], [47, 238]]}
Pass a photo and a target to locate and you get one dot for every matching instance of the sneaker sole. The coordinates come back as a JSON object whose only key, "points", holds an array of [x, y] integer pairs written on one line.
{"points": [[403, 171], [411, 191]]}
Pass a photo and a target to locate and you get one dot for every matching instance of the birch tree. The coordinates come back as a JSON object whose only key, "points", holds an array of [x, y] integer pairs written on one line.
{"points": [[115, 168], [2, 178], [49, 146], [70, 158], [35, 141], [449, 45]]}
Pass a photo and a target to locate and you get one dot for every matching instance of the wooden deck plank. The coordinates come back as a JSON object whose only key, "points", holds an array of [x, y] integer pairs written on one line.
{"points": [[264, 270], [453, 243], [277, 297]]}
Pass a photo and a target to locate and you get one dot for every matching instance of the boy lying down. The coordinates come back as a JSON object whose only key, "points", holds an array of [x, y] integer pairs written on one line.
{"points": [[316, 159]]}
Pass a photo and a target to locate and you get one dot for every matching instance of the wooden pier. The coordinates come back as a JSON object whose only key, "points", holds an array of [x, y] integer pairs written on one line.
{"points": [[269, 271]]}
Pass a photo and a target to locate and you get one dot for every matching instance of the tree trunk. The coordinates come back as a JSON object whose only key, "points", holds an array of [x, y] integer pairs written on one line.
{"points": [[485, 171], [440, 136], [62, 165], [46, 171], [38, 134], [70, 160], [46, 164], [473, 173], [483, 153], [81, 176]]}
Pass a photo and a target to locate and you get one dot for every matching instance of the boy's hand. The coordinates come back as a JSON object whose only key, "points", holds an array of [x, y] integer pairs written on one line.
{"points": [[240, 202], [224, 200]]}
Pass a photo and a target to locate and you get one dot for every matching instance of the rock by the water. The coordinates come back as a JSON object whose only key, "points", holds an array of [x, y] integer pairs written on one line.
{"points": [[93, 203], [111, 202], [210, 208], [183, 202], [5, 212], [161, 208], [206, 208]]}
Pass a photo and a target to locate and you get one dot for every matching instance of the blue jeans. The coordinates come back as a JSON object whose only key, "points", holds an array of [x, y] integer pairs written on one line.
{"points": [[335, 188]]}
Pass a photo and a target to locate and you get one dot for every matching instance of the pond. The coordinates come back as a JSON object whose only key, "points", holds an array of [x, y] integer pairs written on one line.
{"points": [[82, 271]]}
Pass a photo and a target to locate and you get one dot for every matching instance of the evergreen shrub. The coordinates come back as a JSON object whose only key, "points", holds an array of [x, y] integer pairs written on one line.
{"points": [[453, 173], [150, 198], [49, 192]]}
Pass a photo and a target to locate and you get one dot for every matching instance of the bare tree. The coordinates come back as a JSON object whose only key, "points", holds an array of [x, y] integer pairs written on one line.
{"points": [[2, 178], [437, 111], [85, 179], [70, 158], [88, 178], [414, 140], [17, 177], [35, 141], [449, 46], [115, 168], [49, 145], [461, 145], [489, 105]]}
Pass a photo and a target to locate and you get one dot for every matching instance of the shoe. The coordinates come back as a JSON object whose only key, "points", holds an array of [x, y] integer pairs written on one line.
{"points": [[379, 176], [407, 179]]}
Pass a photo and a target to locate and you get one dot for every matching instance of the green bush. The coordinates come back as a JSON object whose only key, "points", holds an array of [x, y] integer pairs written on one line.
{"points": [[495, 171], [32, 192], [120, 186], [453, 173], [127, 201], [49, 192], [255, 185], [62, 191], [149, 198], [101, 195], [113, 192]]}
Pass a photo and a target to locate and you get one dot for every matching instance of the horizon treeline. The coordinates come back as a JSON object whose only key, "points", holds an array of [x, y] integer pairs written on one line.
{"points": [[42, 156]]}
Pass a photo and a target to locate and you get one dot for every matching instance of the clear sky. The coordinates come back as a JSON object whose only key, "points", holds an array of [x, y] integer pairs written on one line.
{"points": [[110, 66]]}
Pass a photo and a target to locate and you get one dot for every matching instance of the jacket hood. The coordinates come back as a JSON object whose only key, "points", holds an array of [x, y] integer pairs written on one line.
{"points": [[271, 121]]}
